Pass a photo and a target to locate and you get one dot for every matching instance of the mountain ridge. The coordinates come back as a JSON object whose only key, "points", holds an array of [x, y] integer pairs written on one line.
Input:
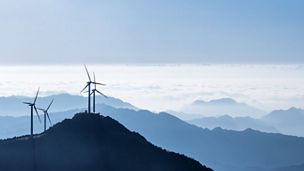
{"points": [[12, 105], [174, 134], [171, 133], [218, 107], [90, 142], [233, 123]]}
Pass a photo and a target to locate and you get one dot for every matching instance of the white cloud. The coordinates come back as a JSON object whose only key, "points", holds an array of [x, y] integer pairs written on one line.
{"points": [[163, 87]]}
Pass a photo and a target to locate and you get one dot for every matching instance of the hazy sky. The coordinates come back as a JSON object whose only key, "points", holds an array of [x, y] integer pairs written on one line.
{"points": [[154, 31]]}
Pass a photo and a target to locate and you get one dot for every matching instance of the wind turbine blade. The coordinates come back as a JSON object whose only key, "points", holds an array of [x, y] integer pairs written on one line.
{"points": [[94, 80], [87, 72], [40, 109], [37, 113], [36, 95], [28, 103], [47, 114], [49, 105], [84, 88], [102, 94], [92, 92], [98, 83]]}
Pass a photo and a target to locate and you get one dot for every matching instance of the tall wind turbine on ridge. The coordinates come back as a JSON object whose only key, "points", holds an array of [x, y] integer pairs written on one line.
{"points": [[89, 89], [46, 114], [95, 90], [33, 107]]}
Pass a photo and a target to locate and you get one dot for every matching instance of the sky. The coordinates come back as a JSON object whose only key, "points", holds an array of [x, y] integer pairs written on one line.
{"points": [[151, 32], [157, 54]]}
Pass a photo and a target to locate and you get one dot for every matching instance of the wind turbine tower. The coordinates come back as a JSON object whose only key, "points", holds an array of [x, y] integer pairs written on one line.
{"points": [[95, 90], [89, 88], [33, 107], [46, 114]]}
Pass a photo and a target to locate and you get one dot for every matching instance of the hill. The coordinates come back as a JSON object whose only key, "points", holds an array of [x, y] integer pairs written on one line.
{"points": [[233, 123], [12, 105], [219, 107], [287, 121], [89, 142], [222, 150]]}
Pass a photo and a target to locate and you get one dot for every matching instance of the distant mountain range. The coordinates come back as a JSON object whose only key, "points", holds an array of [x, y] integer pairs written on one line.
{"points": [[12, 105], [90, 142], [222, 150], [233, 123], [289, 122], [219, 107]]}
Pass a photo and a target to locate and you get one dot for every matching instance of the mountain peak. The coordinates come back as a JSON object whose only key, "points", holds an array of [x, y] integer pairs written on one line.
{"points": [[224, 101], [294, 109], [215, 101], [290, 116], [90, 142], [198, 102], [291, 109], [223, 106]]}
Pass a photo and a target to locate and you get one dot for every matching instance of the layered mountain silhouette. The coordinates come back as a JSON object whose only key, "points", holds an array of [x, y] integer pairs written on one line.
{"points": [[219, 107], [287, 121], [234, 123], [12, 105], [89, 142], [222, 150]]}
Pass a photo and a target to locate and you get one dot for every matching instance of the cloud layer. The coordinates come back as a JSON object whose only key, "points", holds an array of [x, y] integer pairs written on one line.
{"points": [[164, 87]]}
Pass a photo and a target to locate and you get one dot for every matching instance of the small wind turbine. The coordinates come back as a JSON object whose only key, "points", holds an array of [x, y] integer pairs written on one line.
{"points": [[95, 90], [33, 106], [46, 114], [89, 88]]}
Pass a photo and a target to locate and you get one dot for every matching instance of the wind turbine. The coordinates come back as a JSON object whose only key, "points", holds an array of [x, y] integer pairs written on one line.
{"points": [[95, 90], [46, 114], [89, 88], [33, 106]]}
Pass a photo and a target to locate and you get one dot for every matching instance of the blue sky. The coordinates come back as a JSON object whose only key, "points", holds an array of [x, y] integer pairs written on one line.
{"points": [[158, 31]]}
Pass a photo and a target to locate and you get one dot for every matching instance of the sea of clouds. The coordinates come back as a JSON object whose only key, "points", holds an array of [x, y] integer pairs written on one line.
{"points": [[166, 87]]}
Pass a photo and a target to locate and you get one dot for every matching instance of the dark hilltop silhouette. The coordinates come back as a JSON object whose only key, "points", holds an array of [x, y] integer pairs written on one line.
{"points": [[90, 142]]}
